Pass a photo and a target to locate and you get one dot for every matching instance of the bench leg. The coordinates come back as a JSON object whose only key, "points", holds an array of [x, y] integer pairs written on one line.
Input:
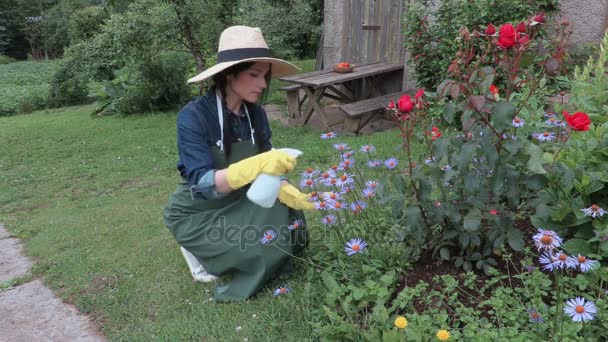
{"points": [[293, 104]]}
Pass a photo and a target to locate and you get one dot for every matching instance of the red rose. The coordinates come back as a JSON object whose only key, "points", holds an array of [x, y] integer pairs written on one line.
{"points": [[539, 18], [493, 90], [391, 104], [490, 30], [506, 36], [405, 104], [523, 40], [579, 121], [494, 212], [435, 133], [521, 27], [419, 94]]}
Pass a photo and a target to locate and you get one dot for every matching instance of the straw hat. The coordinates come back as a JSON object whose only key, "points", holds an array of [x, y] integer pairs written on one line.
{"points": [[240, 44]]}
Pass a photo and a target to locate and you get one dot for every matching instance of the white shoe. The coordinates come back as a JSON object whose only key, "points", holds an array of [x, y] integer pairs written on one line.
{"points": [[196, 269]]}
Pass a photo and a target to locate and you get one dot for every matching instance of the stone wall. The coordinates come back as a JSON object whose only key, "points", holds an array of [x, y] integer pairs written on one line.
{"points": [[589, 20]]}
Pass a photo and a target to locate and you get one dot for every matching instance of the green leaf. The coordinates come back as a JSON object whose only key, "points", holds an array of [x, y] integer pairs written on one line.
{"points": [[330, 281], [536, 182], [516, 240], [443, 89], [467, 120], [399, 183], [502, 115], [449, 112], [463, 240], [472, 221], [477, 102], [536, 154], [577, 246], [466, 155], [444, 252]]}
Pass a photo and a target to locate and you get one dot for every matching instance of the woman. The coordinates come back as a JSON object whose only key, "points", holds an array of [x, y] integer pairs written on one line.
{"points": [[223, 139]]}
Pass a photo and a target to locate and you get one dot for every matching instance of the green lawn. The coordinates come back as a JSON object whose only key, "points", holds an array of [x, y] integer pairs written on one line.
{"points": [[86, 195]]}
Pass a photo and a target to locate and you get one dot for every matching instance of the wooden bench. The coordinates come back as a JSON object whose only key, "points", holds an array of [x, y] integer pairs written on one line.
{"points": [[360, 113], [294, 102]]}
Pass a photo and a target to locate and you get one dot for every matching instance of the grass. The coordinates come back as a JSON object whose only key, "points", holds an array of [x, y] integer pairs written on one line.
{"points": [[24, 86], [86, 195]]}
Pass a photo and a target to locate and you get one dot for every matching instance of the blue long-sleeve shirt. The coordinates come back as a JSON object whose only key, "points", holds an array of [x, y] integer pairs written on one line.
{"points": [[198, 130]]}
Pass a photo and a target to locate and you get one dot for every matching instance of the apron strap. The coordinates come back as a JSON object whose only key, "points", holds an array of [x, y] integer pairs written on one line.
{"points": [[220, 117]]}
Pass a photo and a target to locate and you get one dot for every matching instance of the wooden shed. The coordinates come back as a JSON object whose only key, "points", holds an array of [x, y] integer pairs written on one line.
{"points": [[362, 32]]}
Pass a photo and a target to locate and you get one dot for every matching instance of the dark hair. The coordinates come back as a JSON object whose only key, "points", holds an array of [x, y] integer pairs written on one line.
{"points": [[220, 81]]}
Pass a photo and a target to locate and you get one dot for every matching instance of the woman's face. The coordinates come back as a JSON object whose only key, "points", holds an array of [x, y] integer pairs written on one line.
{"points": [[250, 83]]}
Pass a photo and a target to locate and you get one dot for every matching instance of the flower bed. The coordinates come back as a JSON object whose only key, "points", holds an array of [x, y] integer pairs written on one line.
{"points": [[510, 206]]}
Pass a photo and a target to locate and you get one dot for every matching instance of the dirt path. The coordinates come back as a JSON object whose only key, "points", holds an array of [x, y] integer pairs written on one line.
{"points": [[30, 311]]}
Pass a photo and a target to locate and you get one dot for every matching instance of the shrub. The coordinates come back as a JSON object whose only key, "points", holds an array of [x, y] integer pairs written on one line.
{"points": [[292, 30], [154, 86], [86, 23], [430, 30]]}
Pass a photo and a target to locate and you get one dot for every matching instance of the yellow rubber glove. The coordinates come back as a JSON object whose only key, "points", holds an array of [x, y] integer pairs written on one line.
{"points": [[273, 162], [293, 198]]}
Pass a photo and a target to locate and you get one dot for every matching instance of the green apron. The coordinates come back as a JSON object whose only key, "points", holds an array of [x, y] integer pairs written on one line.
{"points": [[225, 234]]}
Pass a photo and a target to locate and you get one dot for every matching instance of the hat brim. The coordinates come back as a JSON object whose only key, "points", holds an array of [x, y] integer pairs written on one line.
{"points": [[280, 68]]}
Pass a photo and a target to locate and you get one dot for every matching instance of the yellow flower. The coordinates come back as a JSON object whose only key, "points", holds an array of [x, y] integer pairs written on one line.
{"points": [[401, 322], [443, 335]]}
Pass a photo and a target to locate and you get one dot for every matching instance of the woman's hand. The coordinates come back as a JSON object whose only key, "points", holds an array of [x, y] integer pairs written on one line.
{"points": [[293, 198], [273, 162]]}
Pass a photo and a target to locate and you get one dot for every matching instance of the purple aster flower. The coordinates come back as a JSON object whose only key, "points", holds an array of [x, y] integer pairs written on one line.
{"points": [[560, 123], [331, 182], [358, 206], [345, 190], [429, 160], [391, 163], [328, 135], [345, 179], [547, 260], [546, 239], [518, 122], [268, 236], [329, 220], [307, 183], [326, 175], [368, 193], [332, 196], [310, 173], [297, 224], [281, 290], [563, 261], [347, 154], [374, 163], [341, 147], [549, 115], [346, 164], [446, 168], [584, 263], [535, 316], [545, 136], [371, 184], [356, 245], [580, 310], [336, 205], [367, 148], [594, 211], [530, 268], [321, 205]]}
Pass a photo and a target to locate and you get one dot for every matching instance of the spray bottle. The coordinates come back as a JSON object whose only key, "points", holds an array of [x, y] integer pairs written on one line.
{"points": [[265, 188]]}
